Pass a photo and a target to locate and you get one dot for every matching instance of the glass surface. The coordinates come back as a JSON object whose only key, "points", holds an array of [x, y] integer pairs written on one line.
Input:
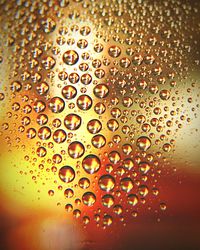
{"points": [[99, 125]]}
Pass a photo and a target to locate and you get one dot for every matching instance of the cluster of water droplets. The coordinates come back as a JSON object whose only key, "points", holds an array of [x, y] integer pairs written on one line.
{"points": [[92, 90]]}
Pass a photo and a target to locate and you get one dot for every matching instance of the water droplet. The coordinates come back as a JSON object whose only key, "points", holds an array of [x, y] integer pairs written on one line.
{"points": [[84, 102], [89, 199], [143, 143], [91, 164], [94, 126], [69, 92], [108, 200], [114, 51], [69, 193], [106, 183], [126, 184], [72, 121], [66, 174], [70, 57], [98, 141], [132, 199], [56, 105], [76, 149], [84, 183]]}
